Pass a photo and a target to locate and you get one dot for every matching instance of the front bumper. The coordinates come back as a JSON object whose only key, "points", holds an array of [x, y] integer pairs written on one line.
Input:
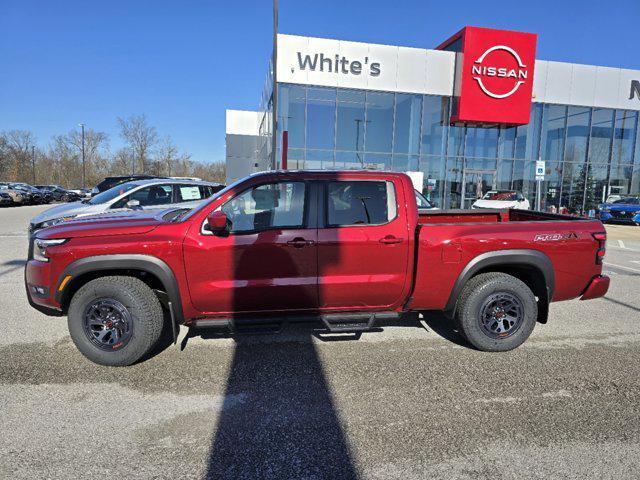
{"points": [[629, 218], [37, 278], [598, 287]]}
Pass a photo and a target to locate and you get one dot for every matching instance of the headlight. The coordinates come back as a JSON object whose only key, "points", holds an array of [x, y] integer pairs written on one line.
{"points": [[40, 248], [55, 221]]}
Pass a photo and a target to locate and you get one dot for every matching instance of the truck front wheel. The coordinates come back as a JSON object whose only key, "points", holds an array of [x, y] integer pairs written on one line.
{"points": [[496, 312], [115, 320]]}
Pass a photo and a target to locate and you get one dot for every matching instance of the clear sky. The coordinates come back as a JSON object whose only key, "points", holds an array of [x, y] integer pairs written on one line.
{"points": [[182, 63]]}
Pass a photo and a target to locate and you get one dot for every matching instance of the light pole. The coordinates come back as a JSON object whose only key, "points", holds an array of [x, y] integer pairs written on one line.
{"points": [[274, 106], [84, 184], [33, 163]]}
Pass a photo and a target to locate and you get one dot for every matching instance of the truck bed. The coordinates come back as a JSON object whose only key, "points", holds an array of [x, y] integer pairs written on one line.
{"points": [[449, 239]]}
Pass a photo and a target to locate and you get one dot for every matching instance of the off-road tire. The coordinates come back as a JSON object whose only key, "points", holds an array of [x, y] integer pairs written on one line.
{"points": [[472, 300], [140, 302]]}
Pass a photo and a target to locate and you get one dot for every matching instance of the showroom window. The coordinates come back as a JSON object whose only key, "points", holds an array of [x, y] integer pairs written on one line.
{"points": [[321, 118], [379, 122], [601, 135], [624, 136], [435, 115], [350, 120], [406, 138]]}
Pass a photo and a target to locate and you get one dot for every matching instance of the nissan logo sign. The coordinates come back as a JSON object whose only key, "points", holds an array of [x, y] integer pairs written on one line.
{"points": [[484, 68]]}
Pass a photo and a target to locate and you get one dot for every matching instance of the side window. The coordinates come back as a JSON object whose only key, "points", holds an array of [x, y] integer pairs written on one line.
{"points": [[275, 205], [360, 203], [191, 193], [148, 196]]}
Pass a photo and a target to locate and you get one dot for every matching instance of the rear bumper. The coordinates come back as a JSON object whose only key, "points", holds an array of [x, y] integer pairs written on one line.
{"points": [[598, 287]]}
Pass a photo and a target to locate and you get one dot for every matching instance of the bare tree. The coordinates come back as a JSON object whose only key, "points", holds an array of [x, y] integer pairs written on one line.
{"points": [[66, 157], [168, 156], [122, 162], [4, 156], [140, 137], [17, 147]]}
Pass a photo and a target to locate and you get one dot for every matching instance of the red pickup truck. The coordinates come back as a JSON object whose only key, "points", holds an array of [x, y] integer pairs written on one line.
{"points": [[350, 249]]}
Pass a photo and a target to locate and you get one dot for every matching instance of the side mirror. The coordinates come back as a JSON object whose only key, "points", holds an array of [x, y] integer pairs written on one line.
{"points": [[217, 222], [133, 204]]}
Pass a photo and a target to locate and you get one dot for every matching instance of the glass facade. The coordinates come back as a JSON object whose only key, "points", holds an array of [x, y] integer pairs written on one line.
{"points": [[590, 153]]}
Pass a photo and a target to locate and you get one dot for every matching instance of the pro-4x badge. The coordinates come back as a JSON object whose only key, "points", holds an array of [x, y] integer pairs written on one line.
{"points": [[554, 237]]}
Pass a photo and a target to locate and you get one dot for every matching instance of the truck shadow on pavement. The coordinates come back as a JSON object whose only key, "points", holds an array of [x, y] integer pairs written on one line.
{"points": [[279, 418], [622, 304]]}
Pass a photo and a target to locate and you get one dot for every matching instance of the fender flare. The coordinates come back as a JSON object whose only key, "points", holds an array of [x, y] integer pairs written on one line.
{"points": [[145, 263], [516, 257]]}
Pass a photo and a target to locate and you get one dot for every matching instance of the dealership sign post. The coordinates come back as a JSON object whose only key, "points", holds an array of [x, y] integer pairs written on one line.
{"points": [[494, 76], [540, 171]]}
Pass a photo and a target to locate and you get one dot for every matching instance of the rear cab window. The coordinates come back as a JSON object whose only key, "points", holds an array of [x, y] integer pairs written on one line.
{"points": [[360, 202]]}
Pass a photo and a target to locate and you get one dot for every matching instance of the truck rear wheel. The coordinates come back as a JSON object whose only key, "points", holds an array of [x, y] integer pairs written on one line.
{"points": [[496, 312], [115, 321]]}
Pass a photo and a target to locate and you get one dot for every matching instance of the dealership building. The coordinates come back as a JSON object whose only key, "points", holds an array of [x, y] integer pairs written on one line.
{"points": [[476, 113]]}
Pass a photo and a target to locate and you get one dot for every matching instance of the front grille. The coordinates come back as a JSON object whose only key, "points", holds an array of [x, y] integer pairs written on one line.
{"points": [[622, 214]]}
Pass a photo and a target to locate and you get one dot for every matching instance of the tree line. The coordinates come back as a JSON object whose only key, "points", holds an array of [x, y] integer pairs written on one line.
{"points": [[60, 163]]}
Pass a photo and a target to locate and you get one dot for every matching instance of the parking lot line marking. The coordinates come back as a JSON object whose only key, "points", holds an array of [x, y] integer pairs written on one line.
{"points": [[622, 267], [621, 243], [626, 249]]}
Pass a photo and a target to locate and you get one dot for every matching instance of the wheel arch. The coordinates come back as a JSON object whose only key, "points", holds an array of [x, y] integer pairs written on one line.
{"points": [[153, 271], [533, 267]]}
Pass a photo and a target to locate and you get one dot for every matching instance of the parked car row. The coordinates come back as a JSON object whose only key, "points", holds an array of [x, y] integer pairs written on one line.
{"points": [[16, 193]]}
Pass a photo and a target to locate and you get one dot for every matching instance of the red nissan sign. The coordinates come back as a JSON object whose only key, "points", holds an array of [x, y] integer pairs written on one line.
{"points": [[494, 75]]}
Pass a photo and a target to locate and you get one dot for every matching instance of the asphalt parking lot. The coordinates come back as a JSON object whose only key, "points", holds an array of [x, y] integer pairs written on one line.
{"points": [[408, 402]]}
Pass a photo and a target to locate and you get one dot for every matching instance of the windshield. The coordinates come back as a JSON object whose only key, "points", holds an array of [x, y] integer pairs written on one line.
{"points": [[501, 196], [422, 201], [629, 201], [112, 193]]}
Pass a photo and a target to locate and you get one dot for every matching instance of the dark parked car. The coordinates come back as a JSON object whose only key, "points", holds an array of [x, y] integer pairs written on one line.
{"points": [[18, 197], [60, 194], [5, 199], [32, 195], [110, 182]]}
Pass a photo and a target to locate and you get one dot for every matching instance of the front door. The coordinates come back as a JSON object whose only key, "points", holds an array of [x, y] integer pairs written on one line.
{"points": [[363, 243], [475, 183], [266, 262]]}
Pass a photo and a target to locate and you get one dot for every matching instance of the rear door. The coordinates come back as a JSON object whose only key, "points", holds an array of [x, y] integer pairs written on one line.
{"points": [[363, 244]]}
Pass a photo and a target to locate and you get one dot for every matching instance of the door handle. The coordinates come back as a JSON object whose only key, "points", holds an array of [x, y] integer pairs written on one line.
{"points": [[390, 239], [300, 242]]}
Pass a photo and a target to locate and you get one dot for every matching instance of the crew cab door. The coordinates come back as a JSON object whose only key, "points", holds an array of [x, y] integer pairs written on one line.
{"points": [[363, 245], [267, 261]]}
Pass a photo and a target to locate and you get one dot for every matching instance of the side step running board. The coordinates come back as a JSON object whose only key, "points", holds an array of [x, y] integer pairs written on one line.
{"points": [[355, 322], [334, 322]]}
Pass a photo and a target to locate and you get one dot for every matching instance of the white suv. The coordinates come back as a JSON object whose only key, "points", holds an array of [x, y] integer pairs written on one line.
{"points": [[140, 194]]}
